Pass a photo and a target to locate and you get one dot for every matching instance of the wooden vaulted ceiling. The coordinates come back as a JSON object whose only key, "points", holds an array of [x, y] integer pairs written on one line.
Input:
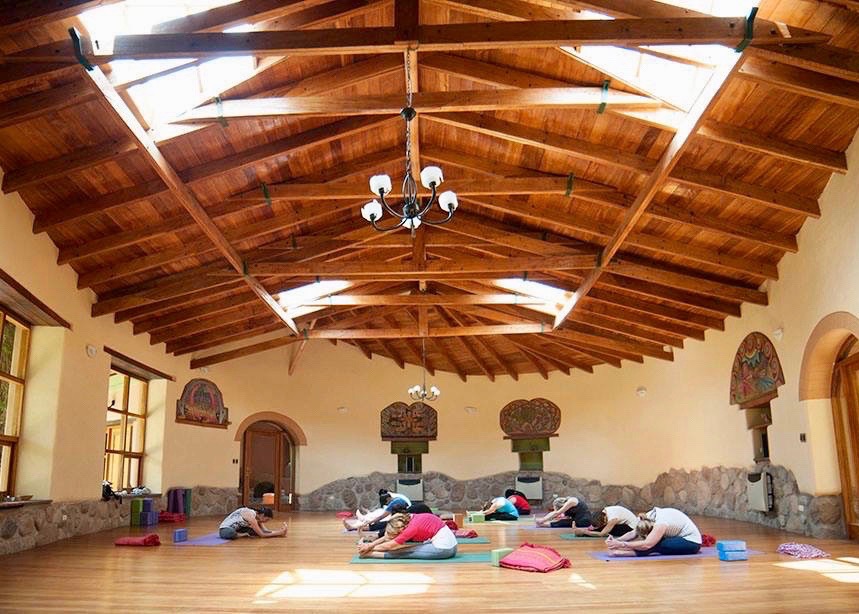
{"points": [[660, 222]]}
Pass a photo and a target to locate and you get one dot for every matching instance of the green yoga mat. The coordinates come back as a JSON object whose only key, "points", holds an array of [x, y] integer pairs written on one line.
{"points": [[574, 536], [462, 557], [472, 540]]}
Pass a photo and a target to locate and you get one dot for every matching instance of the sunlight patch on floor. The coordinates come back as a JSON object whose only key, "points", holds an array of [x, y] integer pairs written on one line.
{"points": [[845, 570], [332, 583], [580, 582]]}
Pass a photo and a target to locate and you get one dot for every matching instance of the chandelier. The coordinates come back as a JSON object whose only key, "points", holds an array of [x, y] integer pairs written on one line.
{"points": [[411, 213], [419, 392]]}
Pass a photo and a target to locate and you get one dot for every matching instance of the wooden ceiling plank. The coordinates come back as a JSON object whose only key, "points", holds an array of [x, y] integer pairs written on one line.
{"points": [[25, 108], [230, 15], [79, 159], [630, 328], [115, 106], [833, 61], [509, 10], [784, 149], [641, 239], [19, 16], [605, 309], [588, 352], [803, 82], [411, 346], [466, 344], [248, 350], [561, 362], [393, 354], [229, 334]]}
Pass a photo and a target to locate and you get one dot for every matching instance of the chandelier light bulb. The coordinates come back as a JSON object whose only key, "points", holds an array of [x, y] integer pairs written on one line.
{"points": [[372, 210], [380, 184], [411, 222], [434, 391], [431, 175], [448, 201]]}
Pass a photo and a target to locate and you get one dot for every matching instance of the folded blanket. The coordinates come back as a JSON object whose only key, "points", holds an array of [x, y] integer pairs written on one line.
{"points": [[344, 514], [143, 540], [469, 533], [802, 551], [451, 525], [707, 540], [530, 557]]}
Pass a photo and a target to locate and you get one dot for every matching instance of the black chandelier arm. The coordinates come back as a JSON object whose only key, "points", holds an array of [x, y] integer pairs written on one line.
{"points": [[429, 202], [387, 206], [400, 222], [439, 222]]}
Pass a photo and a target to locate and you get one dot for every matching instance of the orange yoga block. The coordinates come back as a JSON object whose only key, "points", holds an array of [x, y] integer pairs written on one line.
{"points": [[268, 498]]}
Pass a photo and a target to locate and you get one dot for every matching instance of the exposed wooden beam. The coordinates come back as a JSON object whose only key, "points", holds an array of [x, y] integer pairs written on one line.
{"points": [[19, 75], [342, 300], [27, 107], [297, 352], [241, 352], [423, 102], [801, 81], [433, 270], [467, 345], [117, 108], [620, 9], [509, 10], [230, 15], [833, 61]]}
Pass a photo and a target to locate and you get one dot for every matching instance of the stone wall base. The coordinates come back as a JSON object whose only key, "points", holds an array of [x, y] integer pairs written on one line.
{"points": [[26, 527], [712, 491]]}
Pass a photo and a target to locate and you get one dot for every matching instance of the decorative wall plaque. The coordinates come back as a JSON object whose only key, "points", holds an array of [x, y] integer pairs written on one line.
{"points": [[521, 419], [415, 422], [756, 373], [202, 403]]}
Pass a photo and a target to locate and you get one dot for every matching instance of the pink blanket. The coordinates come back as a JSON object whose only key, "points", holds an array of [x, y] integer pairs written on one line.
{"points": [[143, 540], [530, 557]]}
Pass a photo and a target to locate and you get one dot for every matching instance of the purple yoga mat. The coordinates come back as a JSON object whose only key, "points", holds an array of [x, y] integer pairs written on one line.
{"points": [[211, 539], [704, 553]]}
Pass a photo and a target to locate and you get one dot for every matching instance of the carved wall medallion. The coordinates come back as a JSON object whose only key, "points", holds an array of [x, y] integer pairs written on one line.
{"points": [[401, 422], [521, 419]]}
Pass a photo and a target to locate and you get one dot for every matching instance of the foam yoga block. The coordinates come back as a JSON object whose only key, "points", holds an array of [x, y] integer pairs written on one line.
{"points": [[476, 517], [498, 554], [136, 510], [180, 535], [733, 555], [148, 518], [731, 545], [147, 505]]}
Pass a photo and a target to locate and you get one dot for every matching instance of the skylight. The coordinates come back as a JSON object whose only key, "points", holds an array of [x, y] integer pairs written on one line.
{"points": [[162, 98], [293, 300], [554, 297]]}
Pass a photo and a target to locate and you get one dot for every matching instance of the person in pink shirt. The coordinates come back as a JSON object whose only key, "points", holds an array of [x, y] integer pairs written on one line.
{"points": [[412, 536]]}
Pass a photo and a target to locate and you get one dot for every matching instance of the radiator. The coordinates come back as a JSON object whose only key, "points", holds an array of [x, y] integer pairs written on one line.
{"points": [[759, 491], [531, 487], [412, 488]]}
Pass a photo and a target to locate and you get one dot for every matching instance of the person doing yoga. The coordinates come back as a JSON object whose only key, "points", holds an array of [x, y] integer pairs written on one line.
{"points": [[412, 536], [500, 508], [248, 521], [519, 500], [614, 520], [568, 512], [662, 530], [388, 502]]}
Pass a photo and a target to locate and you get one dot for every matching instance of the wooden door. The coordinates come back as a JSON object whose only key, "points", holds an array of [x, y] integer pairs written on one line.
{"points": [[846, 418], [268, 466]]}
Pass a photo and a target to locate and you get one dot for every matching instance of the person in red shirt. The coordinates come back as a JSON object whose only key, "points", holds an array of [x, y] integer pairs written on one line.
{"points": [[412, 536], [519, 501]]}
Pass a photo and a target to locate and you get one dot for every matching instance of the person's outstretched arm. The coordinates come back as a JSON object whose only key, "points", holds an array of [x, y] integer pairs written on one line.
{"points": [[606, 530], [649, 542], [252, 522], [493, 507]]}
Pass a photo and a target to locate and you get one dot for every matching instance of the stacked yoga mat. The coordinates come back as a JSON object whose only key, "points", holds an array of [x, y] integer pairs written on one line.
{"points": [[179, 501]]}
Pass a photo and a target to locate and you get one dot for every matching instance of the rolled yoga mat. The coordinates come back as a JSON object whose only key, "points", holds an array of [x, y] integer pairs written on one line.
{"points": [[461, 557], [704, 553]]}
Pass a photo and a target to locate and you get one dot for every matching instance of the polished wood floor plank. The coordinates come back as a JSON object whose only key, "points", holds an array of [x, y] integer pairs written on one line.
{"points": [[308, 571]]}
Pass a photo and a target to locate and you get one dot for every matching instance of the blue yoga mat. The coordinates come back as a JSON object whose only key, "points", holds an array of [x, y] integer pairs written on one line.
{"points": [[704, 553], [472, 540], [211, 539], [461, 557]]}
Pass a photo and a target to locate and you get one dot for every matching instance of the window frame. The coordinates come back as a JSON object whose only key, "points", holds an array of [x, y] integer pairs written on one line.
{"points": [[13, 441], [125, 454]]}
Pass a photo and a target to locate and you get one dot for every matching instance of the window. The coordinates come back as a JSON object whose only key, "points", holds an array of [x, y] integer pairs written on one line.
{"points": [[14, 343], [125, 430], [409, 463]]}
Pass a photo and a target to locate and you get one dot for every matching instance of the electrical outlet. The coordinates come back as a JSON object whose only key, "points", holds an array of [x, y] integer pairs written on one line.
{"points": [[802, 437], [800, 507], [65, 517]]}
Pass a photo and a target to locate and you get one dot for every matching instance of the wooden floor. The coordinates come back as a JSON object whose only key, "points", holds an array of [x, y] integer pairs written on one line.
{"points": [[309, 571]]}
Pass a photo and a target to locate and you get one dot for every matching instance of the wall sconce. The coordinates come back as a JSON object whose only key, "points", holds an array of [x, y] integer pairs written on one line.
{"points": [[342, 410], [778, 334], [641, 392], [91, 350], [470, 410], [203, 370]]}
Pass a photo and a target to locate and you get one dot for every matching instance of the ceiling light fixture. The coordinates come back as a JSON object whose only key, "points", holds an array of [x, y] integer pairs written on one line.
{"points": [[419, 392], [411, 213]]}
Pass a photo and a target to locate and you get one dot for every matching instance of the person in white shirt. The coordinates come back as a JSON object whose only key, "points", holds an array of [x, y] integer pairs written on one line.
{"points": [[662, 530], [614, 520]]}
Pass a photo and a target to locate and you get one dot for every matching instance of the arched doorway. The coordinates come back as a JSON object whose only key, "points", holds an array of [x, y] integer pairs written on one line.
{"points": [[845, 414], [268, 465]]}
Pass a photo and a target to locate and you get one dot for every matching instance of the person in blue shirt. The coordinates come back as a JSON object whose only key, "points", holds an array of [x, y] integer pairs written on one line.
{"points": [[500, 508], [389, 503]]}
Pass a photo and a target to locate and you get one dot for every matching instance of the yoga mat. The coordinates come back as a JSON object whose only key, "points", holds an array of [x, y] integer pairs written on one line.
{"points": [[704, 553], [574, 536], [472, 540], [211, 539], [461, 557], [536, 526]]}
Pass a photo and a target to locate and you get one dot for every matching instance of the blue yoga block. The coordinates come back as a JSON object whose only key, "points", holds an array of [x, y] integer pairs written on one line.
{"points": [[147, 505], [180, 535], [733, 555], [730, 545]]}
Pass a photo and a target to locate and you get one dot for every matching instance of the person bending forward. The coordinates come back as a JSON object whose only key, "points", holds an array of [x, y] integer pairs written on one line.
{"points": [[500, 508], [662, 530], [568, 512], [248, 521], [434, 539], [614, 520]]}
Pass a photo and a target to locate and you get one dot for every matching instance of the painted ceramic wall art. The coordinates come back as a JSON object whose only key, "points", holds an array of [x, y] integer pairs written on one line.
{"points": [[756, 373], [523, 419], [202, 403], [401, 422]]}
